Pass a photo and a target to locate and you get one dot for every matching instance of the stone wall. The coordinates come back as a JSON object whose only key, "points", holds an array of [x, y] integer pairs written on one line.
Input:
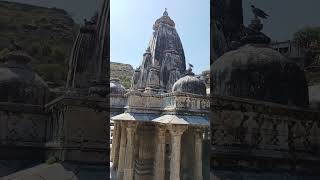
{"points": [[117, 104], [22, 129], [78, 129], [152, 103], [258, 135]]}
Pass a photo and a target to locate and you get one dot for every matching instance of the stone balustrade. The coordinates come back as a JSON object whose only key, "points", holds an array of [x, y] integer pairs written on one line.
{"points": [[252, 129], [153, 103], [23, 128]]}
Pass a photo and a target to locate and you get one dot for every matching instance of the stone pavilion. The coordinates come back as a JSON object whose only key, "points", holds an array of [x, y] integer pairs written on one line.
{"points": [[161, 126]]}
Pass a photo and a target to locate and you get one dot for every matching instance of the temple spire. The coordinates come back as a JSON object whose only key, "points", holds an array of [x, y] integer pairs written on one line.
{"points": [[164, 61], [165, 13]]}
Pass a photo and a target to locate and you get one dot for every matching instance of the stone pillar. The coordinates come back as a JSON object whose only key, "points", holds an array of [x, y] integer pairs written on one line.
{"points": [[116, 144], [122, 153], [198, 154], [176, 133], [160, 154], [114, 134], [129, 162]]}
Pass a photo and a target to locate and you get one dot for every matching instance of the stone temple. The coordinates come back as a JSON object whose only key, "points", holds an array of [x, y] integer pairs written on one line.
{"points": [[44, 135], [164, 61], [262, 126], [161, 125]]}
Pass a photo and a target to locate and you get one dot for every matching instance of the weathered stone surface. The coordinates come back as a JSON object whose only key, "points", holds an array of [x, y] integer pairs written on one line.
{"points": [[167, 115], [61, 171], [77, 131], [91, 52], [19, 83], [254, 175], [69, 128], [164, 61], [116, 87], [229, 15], [314, 97], [190, 84], [148, 103], [218, 41], [259, 136], [81, 65], [258, 72]]}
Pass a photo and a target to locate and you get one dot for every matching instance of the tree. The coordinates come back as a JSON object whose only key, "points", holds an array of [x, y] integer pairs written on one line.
{"points": [[308, 37], [126, 81]]}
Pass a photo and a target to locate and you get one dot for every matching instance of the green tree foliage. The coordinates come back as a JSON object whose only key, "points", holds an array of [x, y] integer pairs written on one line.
{"points": [[126, 81], [308, 37], [46, 34], [55, 73]]}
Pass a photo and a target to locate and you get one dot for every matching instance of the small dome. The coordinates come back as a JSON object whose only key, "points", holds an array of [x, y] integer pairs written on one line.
{"points": [[258, 72], [19, 83], [116, 87], [190, 84]]}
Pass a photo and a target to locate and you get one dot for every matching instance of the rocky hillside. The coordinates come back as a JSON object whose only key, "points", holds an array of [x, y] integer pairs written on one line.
{"points": [[47, 34], [122, 71]]}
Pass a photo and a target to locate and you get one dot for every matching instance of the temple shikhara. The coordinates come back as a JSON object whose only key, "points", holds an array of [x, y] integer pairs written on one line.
{"points": [[161, 125], [164, 61]]}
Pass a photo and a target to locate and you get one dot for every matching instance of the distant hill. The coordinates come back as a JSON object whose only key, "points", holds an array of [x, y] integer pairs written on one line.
{"points": [[124, 72], [121, 71], [79, 9], [47, 34]]}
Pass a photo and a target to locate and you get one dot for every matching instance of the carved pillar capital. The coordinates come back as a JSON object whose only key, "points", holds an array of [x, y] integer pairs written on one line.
{"points": [[132, 127], [161, 129], [177, 130], [198, 131], [123, 124]]}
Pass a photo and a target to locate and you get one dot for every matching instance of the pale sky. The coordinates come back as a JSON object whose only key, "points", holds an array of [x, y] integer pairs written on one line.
{"points": [[131, 29]]}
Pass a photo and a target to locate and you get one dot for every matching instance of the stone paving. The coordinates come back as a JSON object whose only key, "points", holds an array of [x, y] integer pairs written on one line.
{"points": [[60, 171]]}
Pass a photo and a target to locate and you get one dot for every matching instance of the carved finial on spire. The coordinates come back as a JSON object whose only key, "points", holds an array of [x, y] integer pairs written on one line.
{"points": [[165, 13]]}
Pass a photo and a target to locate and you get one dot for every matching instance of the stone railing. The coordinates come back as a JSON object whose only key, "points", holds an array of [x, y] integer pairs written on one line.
{"points": [[77, 128], [22, 128], [117, 101], [248, 128], [142, 102], [185, 102], [177, 102], [22, 125]]}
